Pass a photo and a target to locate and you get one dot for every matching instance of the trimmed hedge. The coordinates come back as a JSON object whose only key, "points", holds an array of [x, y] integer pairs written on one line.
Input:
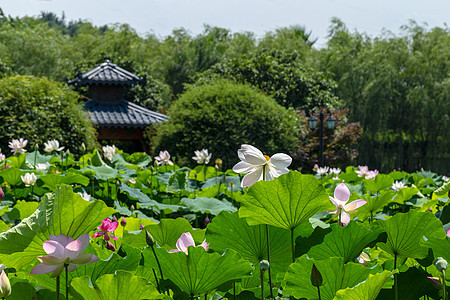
{"points": [[222, 115]]}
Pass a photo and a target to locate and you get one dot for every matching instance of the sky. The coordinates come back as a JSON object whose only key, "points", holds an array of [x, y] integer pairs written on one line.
{"points": [[160, 17]]}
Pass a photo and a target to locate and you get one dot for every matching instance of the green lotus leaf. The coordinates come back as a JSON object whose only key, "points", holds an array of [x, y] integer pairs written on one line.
{"points": [[202, 172], [284, 202], [228, 231], [177, 182], [200, 272], [368, 290], [380, 182], [223, 179], [208, 205], [412, 284], [35, 157], [103, 172], [405, 231], [440, 247], [60, 212], [346, 242], [336, 276], [121, 285], [52, 180], [405, 194], [375, 203], [25, 208], [12, 176], [144, 200]]}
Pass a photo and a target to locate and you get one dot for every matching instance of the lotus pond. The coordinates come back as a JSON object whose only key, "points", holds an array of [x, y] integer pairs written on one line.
{"points": [[120, 226]]}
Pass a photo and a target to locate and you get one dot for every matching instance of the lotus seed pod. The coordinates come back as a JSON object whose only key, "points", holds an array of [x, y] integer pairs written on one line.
{"points": [[316, 277], [440, 264], [264, 265]]}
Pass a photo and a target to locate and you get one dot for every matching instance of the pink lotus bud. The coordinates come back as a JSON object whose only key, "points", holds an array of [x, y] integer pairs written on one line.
{"points": [[2, 194], [123, 222], [110, 246], [141, 226], [114, 219], [207, 221]]}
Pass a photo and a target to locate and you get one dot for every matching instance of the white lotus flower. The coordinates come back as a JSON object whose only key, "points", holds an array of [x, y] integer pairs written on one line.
{"points": [[322, 171], [51, 146], [2, 156], [398, 185], [335, 171], [202, 156], [42, 167], [253, 162], [85, 196], [163, 158], [445, 178], [109, 151], [29, 179], [18, 146]]}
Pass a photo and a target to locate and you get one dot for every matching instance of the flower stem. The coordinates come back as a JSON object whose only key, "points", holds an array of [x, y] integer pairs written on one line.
{"points": [[443, 286], [67, 281], [318, 291], [159, 266], [157, 282], [268, 259], [292, 245], [234, 290], [395, 277], [340, 222], [57, 287], [262, 284]]}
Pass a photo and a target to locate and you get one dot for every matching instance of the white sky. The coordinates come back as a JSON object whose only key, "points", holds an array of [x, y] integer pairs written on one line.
{"points": [[258, 16]]}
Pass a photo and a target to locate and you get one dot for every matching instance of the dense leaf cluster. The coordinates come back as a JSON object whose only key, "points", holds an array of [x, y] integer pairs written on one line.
{"points": [[222, 115], [37, 109]]}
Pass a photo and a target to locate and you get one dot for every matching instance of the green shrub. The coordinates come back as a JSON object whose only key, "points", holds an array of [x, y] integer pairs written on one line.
{"points": [[222, 115], [38, 110]]}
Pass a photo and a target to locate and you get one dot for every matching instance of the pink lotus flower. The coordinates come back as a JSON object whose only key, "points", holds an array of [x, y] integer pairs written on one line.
{"points": [[63, 250], [448, 232], [341, 197], [185, 241], [107, 226], [372, 174]]}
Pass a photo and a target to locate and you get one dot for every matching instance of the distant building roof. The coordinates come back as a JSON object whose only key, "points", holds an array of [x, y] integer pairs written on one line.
{"points": [[122, 114], [106, 73]]}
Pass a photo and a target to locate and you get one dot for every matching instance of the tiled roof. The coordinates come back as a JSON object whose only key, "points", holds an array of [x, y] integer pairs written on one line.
{"points": [[106, 73], [122, 114]]}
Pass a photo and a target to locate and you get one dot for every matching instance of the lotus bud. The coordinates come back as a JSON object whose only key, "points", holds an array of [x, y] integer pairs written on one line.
{"points": [[132, 207], [264, 265], [2, 194], [440, 264], [83, 147], [141, 226], [110, 246], [36, 146], [5, 285], [123, 222], [207, 220], [316, 277], [114, 219], [149, 239], [436, 282], [219, 163]]}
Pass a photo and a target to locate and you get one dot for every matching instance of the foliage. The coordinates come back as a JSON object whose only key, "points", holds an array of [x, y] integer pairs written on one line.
{"points": [[397, 87], [221, 116], [281, 75], [40, 110], [160, 203]]}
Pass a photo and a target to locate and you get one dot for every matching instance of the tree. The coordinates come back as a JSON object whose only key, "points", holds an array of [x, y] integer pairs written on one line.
{"points": [[280, 75], [38, 109], [222, 115]]}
